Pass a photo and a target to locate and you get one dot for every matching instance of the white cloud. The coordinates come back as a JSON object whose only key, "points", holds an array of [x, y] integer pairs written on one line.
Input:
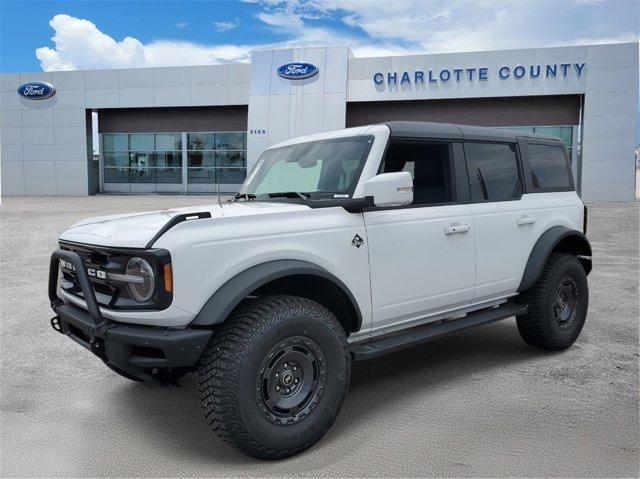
{"points": [[79, 44], [182, 25], [225, 26]]}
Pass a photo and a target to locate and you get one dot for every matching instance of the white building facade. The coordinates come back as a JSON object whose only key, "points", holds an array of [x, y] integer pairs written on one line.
{"points": [[198, 129]]}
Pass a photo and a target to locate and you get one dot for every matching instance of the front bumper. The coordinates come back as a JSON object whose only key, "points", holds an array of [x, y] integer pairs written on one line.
{"points": [[145, 352]]}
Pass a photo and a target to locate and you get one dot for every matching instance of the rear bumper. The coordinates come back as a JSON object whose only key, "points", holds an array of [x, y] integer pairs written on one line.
{"points": [[144, 352]]}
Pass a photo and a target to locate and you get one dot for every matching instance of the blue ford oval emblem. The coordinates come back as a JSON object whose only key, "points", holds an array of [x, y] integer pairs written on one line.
{"points": [[297, 70], [36, 90]]}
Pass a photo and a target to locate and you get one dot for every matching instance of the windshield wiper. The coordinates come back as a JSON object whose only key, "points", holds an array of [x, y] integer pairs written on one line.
{"points": [[290, 194], [245, 196]]}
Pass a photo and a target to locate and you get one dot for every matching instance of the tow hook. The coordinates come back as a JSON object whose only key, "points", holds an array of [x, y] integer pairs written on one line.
{"points": [[56, 324]]}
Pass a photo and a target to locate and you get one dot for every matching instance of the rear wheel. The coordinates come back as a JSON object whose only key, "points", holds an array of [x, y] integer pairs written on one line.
{"points": [[274, 377], [557, 303]]}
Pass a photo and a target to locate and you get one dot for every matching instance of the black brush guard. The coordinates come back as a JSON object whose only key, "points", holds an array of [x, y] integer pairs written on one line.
{"points": [[144, 352]]}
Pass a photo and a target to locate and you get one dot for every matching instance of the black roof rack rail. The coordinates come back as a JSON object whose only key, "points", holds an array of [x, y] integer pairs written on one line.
{"points": [[176, 220]]}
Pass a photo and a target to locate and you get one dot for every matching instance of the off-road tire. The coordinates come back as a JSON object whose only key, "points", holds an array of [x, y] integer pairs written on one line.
{"points": [[232, 375], [543, 326]]}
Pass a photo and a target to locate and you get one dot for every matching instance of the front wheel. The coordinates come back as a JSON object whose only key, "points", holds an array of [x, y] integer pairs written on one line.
{"points": [[558, 305], [274, 377]]}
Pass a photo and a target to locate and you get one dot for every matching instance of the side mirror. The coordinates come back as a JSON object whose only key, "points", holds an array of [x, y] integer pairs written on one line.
{"points": [[390, 189]]}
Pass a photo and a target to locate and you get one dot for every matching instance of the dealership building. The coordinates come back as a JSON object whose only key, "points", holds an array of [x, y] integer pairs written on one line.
{"points": [[199, 129]]}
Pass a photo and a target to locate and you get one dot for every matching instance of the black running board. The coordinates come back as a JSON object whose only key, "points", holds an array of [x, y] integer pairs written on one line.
{"points": [[368, 349]]}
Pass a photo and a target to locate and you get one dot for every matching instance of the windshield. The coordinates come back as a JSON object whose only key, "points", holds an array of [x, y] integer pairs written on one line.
{"points": [[317, 169]]}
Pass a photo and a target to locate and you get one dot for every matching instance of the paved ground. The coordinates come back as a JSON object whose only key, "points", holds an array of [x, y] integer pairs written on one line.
{"points": [[481, 403]]}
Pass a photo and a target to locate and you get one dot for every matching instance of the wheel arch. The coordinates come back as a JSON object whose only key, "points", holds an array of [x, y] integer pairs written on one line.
{"points": [[557, 239], [296, 277]]}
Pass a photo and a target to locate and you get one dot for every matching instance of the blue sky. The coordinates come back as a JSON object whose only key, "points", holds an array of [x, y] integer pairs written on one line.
{"points": [[86, 34]]}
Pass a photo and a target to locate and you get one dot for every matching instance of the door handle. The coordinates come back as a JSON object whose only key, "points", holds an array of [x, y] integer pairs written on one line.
{"points": [[526, 220], [451, 229]]}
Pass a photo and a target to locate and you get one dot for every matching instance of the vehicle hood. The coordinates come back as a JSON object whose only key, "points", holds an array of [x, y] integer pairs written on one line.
{"points": [[135, 230]]}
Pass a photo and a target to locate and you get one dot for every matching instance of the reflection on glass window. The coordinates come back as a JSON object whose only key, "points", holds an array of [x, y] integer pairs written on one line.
{"points": [[492, 170], [157, 157]]}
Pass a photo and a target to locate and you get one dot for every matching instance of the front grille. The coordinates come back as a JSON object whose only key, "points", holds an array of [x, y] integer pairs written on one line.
{"points": [[106, 294]]}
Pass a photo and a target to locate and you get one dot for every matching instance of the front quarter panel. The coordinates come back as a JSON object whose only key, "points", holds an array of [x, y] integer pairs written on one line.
{"points": [[207, 254]]}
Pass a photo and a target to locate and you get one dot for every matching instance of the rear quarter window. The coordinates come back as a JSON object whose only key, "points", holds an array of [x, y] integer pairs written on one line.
{"points": [[548, 168]]}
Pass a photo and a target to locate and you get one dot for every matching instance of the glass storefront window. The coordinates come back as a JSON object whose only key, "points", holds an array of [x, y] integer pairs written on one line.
{"points": [[202, 175], [141, 141], [115, 142], [169, 141], [156, 158], [230, 141], [116, 158], [169, 175], [163, 159], [200, 141]]}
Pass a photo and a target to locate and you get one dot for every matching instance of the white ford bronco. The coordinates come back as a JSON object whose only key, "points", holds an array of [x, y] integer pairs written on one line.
{"points": [[339, 246]]}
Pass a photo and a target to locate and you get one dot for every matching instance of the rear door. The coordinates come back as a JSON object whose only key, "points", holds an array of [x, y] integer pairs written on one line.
{"points": [[504, 227], [422, 255]]}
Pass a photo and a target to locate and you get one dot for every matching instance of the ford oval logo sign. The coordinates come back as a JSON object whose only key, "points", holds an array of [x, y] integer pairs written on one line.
{"points": [[36, 90], [297, 70]]}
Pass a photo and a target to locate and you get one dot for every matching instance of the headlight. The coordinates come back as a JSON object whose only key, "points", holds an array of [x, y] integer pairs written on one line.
{"points": [[142, 289]]}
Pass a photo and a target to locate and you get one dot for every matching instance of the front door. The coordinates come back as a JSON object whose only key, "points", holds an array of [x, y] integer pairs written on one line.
{"points": [[422, 256]]}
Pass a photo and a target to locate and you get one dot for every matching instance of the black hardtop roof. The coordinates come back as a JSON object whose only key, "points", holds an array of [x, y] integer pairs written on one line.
{"points": [[423, 129]]}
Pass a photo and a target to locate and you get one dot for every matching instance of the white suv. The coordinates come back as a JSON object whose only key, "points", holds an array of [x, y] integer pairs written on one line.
{"points": [[340, 246]]}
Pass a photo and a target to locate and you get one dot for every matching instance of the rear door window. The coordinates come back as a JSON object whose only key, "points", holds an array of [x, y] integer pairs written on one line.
{"points": [[548, 168], [493, 171]]}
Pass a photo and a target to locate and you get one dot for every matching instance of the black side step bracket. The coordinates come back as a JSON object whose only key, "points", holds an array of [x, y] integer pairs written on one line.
{"points": [[379, 346]]}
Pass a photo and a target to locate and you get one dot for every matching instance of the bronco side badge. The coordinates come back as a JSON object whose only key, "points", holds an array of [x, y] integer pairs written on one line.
{"points": [[357, 241]]}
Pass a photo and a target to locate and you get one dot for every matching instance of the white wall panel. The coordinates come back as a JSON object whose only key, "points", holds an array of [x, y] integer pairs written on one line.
{"points": [[69, 117], [172, 96], [260, 73], [209, 75], [171, 76], [37, 136], [38, 152], [209, 95], [102, 98], [336, 65], [136, 97], [11, 152], [70, 135], [37, 118], [278, 118], [40, 186], [316, 83], [613, 56], [10, 118], [40, 169], [71, 186], [312, 113], [611, 127], [100, 79], [135, 78], [614, 80], [12, 186], [70, 152], [9, 82], [70, 99], [68, 80], [12, 169], [71, 169], [9, 100]]}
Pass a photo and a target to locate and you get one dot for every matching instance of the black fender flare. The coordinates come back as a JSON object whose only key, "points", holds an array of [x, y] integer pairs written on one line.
{"points": [[573, 241], [230, 294]]}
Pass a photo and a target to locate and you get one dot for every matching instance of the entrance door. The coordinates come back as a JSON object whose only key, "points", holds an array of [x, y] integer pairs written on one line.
{"points": [[422, 255]]}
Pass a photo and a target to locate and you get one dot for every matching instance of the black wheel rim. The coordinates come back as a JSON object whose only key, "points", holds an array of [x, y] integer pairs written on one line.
{"points": [[565, 303], [291, 380]]}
